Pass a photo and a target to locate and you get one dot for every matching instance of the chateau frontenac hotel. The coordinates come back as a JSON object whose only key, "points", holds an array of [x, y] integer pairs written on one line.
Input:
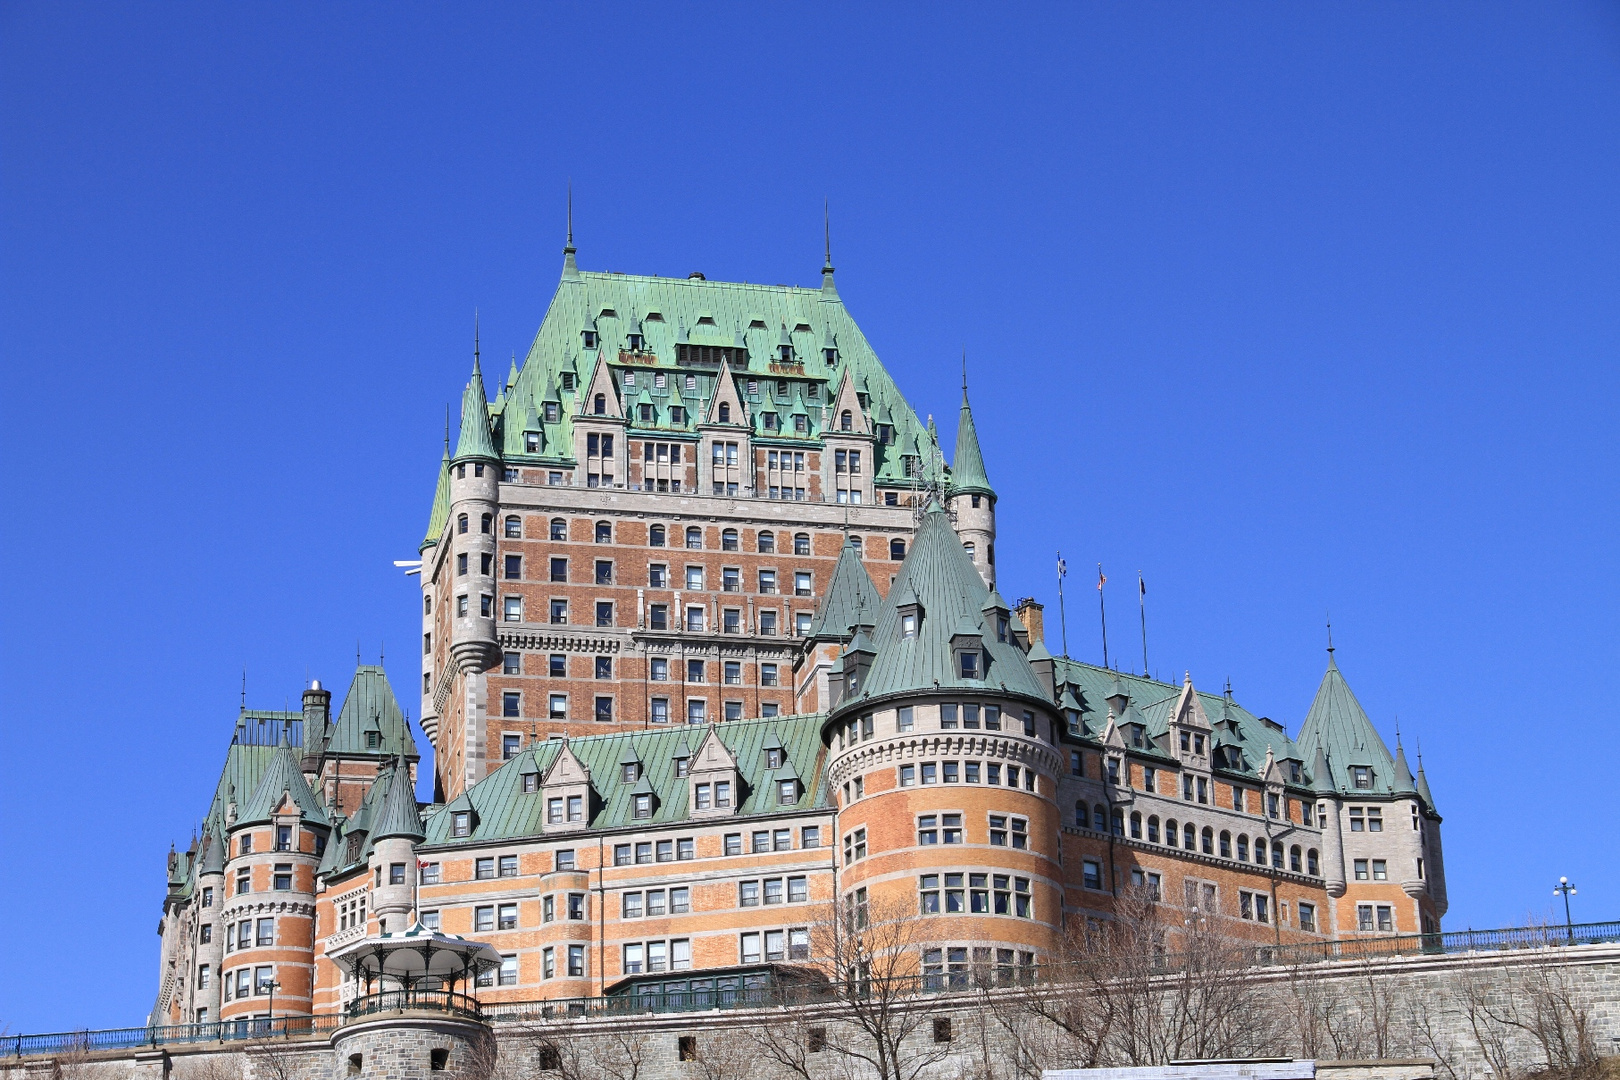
{"points": [[711, 637]]}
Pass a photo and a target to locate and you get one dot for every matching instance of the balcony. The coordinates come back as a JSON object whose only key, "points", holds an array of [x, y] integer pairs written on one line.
{"points": [[394, 1001]]}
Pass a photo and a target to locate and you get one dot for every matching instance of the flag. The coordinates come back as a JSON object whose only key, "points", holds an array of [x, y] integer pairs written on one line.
{"points": [[1142, 585], [1101, 581], [1063, 567]]}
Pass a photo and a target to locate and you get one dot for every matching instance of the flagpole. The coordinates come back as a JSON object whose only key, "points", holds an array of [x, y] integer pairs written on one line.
{"points": [[1103, 610], [1063, 617], [1141, 602]]}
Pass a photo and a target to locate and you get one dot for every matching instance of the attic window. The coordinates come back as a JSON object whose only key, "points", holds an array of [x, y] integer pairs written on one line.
{"points": [[725, 413], [590, 340], [531, 783], [373, 740], [630, 376], [683, 767], [885, 434], [1293, 772], [1361, 776], [642, 807], [632, 771], [705, 320], [846, 421], [531, 442], [773, 759], [786, 352], [969, 664], [568, 380], [461, 823], [757, 324], [608, 313], [908, 625], [831, 356], [801, 328], [551, 412]]}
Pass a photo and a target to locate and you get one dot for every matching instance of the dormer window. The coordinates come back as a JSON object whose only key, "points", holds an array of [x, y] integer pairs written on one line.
{"points": [[1001, 629], [1186, 743], [908, 625], [568, 380], [373, 740], [1198, 744], [787, 792], [1293, 773], [773, 759], [786, 352], [590, 338], [635, 342], [683, 767], [551, 412], [642, 806], [632, 771], [725, 413], [461, 823], [1136, 736], [831, 356], [599, 405], [1361, 776], [846, 421], [531, 442], [531, 783], [969, 664]]}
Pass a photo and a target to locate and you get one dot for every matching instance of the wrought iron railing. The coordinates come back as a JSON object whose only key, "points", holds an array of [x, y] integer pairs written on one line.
{"points": [[1249, 954], [387, 1001]]}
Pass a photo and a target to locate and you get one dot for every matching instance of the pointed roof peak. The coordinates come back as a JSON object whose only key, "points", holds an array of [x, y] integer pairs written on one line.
{"points": [[476, 440], [829, 290], [570, 267], [399, 816], [967, 466]]}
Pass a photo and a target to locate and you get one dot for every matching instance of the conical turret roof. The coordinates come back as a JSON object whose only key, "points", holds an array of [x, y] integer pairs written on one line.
{"points": [[213, 854], [938, 575], [851, 587], [440, 514], [967, 467], [282, 776], [399, 816], [370, 706], [1423, 786], [476, 441], [1340, 728]]}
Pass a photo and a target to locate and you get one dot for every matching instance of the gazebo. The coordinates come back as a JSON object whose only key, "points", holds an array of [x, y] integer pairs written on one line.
{"points": [[417, 968]]}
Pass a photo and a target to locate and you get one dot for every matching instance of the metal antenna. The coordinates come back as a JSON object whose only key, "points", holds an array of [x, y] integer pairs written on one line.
{"points": [[1330, 633]]}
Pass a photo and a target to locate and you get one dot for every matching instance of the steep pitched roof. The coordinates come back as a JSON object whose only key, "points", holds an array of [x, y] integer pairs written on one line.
{"points": [[503, 810], [370, 706], [850, 589], [440, 514], [475, 441], [939, 575], [399, 816], [1339, 726], [967, 467], [713, 314], [283, 776]]}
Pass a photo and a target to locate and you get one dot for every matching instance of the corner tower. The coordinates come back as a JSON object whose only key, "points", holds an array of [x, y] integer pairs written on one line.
{"points": [[973, 502]]}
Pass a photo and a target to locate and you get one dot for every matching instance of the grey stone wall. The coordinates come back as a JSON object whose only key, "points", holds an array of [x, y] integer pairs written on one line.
{"points": [[1475, 1016]]}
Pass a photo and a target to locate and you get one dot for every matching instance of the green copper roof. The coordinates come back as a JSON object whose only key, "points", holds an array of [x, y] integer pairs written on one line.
{"points": [[849, 591], [503, 810], [475, 441], [1338, 724], [967, 467], [704, 314], [283, 775], [939, 575], [370, 706], [1423, 786], [399, 815], [440, 514], [212, 859], [244, 765]]}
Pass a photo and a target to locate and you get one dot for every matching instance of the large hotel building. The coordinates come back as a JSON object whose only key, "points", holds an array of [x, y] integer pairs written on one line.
{"points": [[711, 637]]}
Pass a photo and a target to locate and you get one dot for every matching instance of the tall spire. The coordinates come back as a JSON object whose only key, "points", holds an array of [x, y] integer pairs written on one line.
{"points": [[967, 467], [829, 291], [476, 440], [570, 268]]}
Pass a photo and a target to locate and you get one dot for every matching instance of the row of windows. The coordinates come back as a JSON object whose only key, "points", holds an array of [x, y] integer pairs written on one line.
{"points": [[281, 879], [658, 576], [948, 967], [658, 617], [792, 890], [789, 943], [1190, 838], [672, 955], [967, 772], [765, 542], [249, 934], [951, 717], [975, 894], [655, 902]]}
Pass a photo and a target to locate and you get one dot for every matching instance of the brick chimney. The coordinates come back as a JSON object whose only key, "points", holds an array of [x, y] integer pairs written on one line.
{"points": [[1030, 614]]}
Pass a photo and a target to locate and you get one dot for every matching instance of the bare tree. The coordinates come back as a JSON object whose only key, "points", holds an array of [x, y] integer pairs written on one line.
{"points": [[1529, 1008], [790, 1039], [559, 1048], [723, 1053], [872, 953]]}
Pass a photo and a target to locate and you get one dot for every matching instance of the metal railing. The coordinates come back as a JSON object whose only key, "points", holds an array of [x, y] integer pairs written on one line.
{"points": [[386, 1001], [1254, 955]]}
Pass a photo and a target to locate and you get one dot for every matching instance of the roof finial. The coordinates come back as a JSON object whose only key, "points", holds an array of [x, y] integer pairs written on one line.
{"points": [[570, 267], [964, 373], [475, 339], [244, 688], [1330, 633], [826, 231], [447, 428]]}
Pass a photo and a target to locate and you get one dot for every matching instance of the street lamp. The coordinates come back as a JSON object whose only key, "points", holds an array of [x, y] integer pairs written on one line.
{"points": [[270, 1025], [1565, 889]]}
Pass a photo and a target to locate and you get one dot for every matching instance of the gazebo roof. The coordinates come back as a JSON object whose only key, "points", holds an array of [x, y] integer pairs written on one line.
{"points": [[416, 953]]}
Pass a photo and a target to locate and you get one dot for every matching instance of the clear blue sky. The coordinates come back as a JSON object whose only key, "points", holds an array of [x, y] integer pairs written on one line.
{"points": [[1295, 309]]}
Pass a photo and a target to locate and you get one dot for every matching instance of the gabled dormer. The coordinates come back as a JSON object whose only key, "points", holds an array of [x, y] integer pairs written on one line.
{"points": [[601, 397], [1190, 732], [969, 658], [1271, 774], [786, 786], [566, 788], [858, 657], [630, 767], [713, 786], [1115, 767], [726, 407], [848, 418], [997, 616], [909, 610], [1070, 706]]}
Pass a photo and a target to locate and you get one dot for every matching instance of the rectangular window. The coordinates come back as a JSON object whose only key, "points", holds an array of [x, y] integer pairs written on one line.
{"points": [[430, 873], [483, 868], [265, 932], [565, 859], [1307, 917], [508, 866], [484, 917], [506, 918], [282, 878], [576, 961], [733, 844]]}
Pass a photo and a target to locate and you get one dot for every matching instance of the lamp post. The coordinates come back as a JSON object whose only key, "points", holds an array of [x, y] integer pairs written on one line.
{"points": [[270, 1025], [1565, 889]]}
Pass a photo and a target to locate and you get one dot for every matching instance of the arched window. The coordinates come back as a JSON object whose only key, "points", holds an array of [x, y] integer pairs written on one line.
{"points": [[801, 543], [1171, 833], [1243, 849], [1276, 856], [897, 549], [858, 544], [1293, 858], [728, 540], [1312, 867], [604, 532], [1099, 817], [655, 536], [559, 529], [846, 422], [694, 537], [599, 406], [1226, 845], [1209, 841], [1189, 837], [1117, 822], [461, 523], [1153, 829], [486, 524], [972, 551], [725, 412], [514, 527], [1136, 826], [765, 541], [1082, 817]]}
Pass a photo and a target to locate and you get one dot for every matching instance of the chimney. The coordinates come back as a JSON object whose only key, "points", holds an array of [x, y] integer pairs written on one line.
{"points": [[1029, 613], [317, 715]]}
